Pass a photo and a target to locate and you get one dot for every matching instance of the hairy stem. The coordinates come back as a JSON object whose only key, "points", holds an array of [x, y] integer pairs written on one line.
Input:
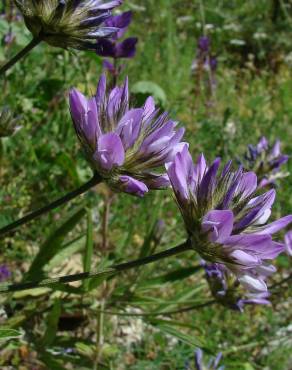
{"points": [[96, 179], [115, 269], [33, 43]]}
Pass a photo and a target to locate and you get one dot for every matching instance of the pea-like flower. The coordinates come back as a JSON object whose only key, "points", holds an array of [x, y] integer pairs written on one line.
{"points": [[68, 23], [288, 243], [226, 290], [125, 146], [266, 161], [226, 218]]}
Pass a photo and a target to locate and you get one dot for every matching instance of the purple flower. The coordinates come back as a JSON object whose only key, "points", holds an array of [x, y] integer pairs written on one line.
{"points": [[226, 219], [204, 44], [112, 48], [69, 24], [266, 161], [126, 146], [212, 365], [4, 273], [8, 38], [225, 288]]}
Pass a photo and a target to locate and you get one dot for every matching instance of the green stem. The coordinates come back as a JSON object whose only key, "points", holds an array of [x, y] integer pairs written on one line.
{"points": [[96, 179], [33, 43], [115, 269], [161, 313]]}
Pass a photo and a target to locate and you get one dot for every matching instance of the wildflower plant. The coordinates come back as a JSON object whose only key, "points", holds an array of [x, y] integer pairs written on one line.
{"points": [[226, 219], [126, 146], [266, 161]]}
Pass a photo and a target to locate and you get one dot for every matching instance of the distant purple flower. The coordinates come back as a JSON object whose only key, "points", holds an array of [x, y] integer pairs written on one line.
{"points": [[266, 161], [226, 219], [9, 37], [125, 146], [4, 273], [112, 48], [225, 288], [288, 243], [204, 44], [199, 365]]}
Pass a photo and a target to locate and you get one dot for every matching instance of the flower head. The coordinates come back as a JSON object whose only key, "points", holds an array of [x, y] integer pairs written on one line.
{"points": [[125, 146], [8, 123], [114, 49], [199, 365], [68, 23], [266, 161], [226, 290], [226, 218]]}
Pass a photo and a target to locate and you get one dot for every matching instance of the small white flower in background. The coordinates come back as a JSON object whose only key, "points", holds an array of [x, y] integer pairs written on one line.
{"points": [[130, 330], [237, 42], [260, 36], [288, 59], [232, 27], [230, 129]]}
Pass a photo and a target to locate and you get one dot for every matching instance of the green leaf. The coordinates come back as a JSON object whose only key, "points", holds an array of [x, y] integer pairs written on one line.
{"points": [[146, 88], [53, 245], [6, 334], [52, 324], [169, 328], [88, 248]]}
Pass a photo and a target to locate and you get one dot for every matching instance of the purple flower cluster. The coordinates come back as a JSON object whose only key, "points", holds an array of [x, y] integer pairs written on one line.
{"points": [[125, 146], [266, 161], [199, 365], [226, 219], [112, 48], [68, 24], [5, 273], [225, 288], [204, 60]]}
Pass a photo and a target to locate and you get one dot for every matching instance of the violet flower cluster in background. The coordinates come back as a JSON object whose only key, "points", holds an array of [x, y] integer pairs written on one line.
{"points": [[68, 24], [266, 161], [204, 68], [115, 49], [5, 273], [225, 218], [125, 146], [225, 288], [198, 364]]}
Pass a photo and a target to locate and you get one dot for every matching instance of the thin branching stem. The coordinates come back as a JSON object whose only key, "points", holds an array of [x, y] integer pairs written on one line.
{"points": [[95, 180], [111, 271], [32, 44]]}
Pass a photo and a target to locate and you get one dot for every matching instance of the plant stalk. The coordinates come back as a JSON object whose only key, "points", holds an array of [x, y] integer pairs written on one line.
{"points": [[115, 269], [32, 44], [95, 180]]}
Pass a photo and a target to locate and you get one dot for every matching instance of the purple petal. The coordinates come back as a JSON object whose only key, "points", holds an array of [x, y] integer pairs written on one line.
{"points": [[200, 168], [265, 270], [101, 91], [106, 48], [276, 150], [198, 359], [133, 186], [245, 259], [275, 226], [253, 284], [129, 127], [247, 185], [121, 21], [149, 108], [209, 181], [263, 144], [158, 182], [110, 151], [219, 224], [109, 66], [127, 48], [288, 242]]}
